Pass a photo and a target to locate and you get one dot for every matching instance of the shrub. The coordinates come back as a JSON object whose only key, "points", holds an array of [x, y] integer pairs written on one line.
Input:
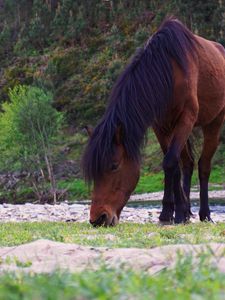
{"points": [[28, 128]]}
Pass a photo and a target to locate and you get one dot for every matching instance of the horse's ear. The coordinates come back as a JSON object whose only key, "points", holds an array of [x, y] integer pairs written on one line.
{"points": [[89, 130], [118, 135]]}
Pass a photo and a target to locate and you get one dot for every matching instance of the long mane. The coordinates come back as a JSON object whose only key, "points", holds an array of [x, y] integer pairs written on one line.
{"points": [[139, 97]]}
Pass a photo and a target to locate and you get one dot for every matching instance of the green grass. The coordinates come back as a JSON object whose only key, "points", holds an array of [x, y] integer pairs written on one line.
{"points": [[187, 280], [154, 182], [124, 235], [217, 176], [77, 189], [148, 183]]}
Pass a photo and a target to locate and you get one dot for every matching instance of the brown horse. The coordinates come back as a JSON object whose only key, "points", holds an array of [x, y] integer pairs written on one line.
{"points": [[173, 84]]}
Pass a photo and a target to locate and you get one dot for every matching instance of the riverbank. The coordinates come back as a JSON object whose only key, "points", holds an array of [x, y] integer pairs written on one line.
{"points": [[65, 212]]}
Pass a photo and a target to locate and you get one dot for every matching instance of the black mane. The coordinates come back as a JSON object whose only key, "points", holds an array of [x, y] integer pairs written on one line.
{"points": [[139, 97]]}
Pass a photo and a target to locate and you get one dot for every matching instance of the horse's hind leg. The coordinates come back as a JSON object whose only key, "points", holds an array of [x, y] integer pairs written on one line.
{"points": [[187, 159], [211, 135]]}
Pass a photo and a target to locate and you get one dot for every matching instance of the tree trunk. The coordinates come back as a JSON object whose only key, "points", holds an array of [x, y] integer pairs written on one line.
{"points": [[51, 177]]}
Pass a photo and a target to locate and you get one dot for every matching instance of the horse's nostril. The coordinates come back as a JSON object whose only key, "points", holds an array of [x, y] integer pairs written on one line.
{"points": [[100, 221]]}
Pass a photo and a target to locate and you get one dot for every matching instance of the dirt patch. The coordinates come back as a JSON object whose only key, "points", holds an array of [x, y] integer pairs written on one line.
{"points": [[44, 256]]}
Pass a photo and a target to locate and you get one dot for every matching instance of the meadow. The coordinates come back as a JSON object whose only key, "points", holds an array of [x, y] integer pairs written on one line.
{"points": [[187, 280]]}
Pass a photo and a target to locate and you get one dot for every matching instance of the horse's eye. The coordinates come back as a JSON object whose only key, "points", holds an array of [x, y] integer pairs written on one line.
{"points": [[114, 166]]}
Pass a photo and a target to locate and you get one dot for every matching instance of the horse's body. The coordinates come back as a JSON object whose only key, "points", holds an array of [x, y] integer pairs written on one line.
{"points": [[197, 102], [175, 83]]}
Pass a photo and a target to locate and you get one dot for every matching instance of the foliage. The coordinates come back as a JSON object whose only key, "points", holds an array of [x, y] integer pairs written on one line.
{"points": [[27, 122], [28, 128]]}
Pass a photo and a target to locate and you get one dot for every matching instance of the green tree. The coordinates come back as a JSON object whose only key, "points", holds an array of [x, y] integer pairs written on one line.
{"points": [[28, 128]]}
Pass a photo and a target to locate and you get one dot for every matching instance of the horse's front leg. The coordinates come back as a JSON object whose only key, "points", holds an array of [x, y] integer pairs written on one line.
{"points": [[166, 215], [168, 199], [173, 187], [182, 202], [171, 166]]}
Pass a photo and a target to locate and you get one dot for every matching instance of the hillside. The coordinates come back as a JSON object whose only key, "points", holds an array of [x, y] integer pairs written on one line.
{"points": [[76, 49]]}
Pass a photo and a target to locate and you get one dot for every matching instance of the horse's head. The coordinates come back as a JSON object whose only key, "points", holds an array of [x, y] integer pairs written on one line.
{"points": [[113, 189]]}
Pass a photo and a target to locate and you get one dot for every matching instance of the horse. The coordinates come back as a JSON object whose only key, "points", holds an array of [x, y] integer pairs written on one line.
{"points": [[174, 83]]}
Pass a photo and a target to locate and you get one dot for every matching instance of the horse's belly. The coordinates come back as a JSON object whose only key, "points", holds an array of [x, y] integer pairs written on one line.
{"points": [[210, 105], [206, 117]]}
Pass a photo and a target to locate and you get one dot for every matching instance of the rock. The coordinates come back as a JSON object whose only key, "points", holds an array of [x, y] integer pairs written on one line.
{"points": [[80, 213], [46, 256]]}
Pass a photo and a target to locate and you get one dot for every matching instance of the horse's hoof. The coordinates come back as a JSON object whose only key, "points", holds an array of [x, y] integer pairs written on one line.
{"points": [[181, 218], [204, 216], [207, 219], [166, 222], [166, 218]]}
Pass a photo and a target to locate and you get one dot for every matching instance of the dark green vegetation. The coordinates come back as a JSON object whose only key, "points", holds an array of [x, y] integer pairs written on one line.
{"points": [[75, 51], [77, 48], [186, 281], [124, 235]]}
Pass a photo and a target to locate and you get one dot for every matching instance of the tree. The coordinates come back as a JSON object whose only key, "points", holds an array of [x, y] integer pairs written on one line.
{"points": [[28, 128]]}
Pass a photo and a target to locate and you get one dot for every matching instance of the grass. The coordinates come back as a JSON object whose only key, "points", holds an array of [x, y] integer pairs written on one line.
{"points": [[148, 182], [187, 280], [124, 235], [77, 189], [154, 182]]}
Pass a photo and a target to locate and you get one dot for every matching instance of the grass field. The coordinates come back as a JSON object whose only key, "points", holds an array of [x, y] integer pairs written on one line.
{"points": [[186, 281], [124, 235], [149, 182]]}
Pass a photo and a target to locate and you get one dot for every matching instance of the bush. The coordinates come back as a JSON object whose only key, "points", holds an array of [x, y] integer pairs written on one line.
{"points": [[28, 128]]}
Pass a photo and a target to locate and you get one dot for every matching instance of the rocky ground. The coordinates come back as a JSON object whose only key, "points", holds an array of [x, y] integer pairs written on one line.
{"points": [[80, 212], [44, 256]]}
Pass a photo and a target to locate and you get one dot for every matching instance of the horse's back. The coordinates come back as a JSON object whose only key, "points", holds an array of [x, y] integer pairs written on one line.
{"points": [[211, 80], [220, 48]]}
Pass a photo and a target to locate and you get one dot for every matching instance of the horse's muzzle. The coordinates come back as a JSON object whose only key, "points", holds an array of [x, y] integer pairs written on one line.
{"points": [[105, 220]]}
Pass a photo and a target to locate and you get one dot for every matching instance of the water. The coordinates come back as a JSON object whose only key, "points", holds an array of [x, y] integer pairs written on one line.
{"points": [[216, 205]]}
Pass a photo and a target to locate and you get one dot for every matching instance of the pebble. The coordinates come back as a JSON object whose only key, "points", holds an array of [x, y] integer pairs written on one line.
{"points": [[65, 212], [80, 213]]}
